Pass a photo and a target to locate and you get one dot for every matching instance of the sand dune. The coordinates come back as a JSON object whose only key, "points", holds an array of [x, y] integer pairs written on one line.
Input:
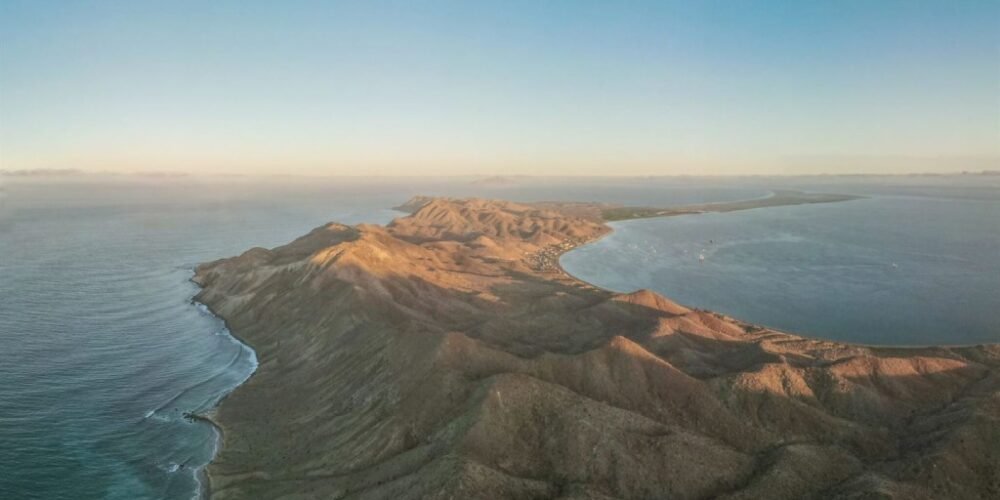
{"points": [[438, 357]]}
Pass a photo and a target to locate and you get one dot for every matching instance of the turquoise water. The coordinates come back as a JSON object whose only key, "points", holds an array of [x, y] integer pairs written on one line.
{"points": [[909, 265]]}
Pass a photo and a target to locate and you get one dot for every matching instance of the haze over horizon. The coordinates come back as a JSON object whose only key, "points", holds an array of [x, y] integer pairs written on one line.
{"points": [[453, 88]]}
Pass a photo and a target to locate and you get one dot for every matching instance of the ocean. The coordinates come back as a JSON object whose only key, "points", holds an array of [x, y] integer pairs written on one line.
{"points": [[103, 355], [102, 352], [906, 265]]}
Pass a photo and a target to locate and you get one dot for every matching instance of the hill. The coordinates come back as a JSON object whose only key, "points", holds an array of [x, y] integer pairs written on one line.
{"points": [[437, 357]]}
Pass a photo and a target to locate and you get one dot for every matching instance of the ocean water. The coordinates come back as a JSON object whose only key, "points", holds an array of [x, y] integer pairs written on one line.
{"points": [[102, 352], [910, 264]]}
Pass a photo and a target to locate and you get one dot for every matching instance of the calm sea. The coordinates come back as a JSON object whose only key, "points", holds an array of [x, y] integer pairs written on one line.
{"points": [[911, 264], [102, 353]]}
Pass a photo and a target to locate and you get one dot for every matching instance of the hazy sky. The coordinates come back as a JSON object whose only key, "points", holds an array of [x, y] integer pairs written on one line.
{"points": [[537, 87]]}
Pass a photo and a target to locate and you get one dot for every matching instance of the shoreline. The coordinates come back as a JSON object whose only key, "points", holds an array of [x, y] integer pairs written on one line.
{"points": [[202, 475], [609, 224], [776, 198], [601, 336]]}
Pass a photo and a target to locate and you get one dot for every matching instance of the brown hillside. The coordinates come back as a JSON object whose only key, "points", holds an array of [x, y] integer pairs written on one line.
{"points": [[445, 356]]}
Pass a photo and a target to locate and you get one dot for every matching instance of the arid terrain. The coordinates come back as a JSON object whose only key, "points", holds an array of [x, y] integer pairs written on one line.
{"points": [[448, 356]]}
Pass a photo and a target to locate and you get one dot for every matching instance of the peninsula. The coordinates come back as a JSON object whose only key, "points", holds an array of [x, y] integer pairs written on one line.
{"points": [[446, 355]]}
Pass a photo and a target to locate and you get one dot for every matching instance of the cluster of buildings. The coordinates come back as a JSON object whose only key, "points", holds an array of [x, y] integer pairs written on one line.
{"points": [[547, 259]]}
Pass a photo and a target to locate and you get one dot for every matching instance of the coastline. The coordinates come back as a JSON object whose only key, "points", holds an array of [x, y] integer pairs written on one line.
{"points": [[776, 198], [748, 204], [611, 226], [206, 416], [204, 479], [228, 285]]}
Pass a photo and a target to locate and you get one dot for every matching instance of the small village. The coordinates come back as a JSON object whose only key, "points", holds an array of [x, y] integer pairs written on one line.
{"points": [[547, 259]]}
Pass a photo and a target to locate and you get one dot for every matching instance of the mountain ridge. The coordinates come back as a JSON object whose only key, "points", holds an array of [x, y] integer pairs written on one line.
{"points": [[434, 358]]}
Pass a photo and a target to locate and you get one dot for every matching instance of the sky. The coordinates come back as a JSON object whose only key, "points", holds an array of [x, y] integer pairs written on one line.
{"points": [[506, 87]]}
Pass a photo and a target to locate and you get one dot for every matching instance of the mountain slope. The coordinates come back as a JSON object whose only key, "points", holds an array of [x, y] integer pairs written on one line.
{"points": [[434, 358]]}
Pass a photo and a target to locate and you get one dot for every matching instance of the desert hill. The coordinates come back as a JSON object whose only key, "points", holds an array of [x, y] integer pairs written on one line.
{"points": [[447, 356]]}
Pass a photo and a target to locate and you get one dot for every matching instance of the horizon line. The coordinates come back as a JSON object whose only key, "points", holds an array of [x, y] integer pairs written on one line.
{"points": [[57, 172]]}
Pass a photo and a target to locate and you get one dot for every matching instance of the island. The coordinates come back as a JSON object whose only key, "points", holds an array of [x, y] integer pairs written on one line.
{"points": [[446, 355]]}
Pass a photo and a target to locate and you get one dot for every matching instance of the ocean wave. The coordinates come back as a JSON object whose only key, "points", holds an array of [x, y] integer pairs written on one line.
{"points": [[156, 415]]}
